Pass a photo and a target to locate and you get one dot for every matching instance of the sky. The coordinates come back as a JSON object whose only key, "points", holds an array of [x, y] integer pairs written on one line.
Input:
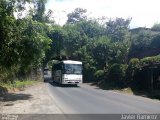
{"points": [[144, 13]]}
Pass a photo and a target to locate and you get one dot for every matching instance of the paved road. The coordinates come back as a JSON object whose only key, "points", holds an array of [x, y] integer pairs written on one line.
{"points": [[85, 99]]}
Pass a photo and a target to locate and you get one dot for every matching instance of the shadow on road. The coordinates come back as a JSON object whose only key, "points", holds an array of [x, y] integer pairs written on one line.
{"points": [[15, 97], [63, 85], [150, 94], [127, 90]]}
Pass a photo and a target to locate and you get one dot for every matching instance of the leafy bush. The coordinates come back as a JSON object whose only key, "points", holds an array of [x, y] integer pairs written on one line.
{"points": [[150, 60], [117, 73], [132, 69], [99, 75]]}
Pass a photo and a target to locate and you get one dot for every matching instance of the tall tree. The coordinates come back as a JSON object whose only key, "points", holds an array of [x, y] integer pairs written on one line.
{"points": [[144, 43], [23, 41], [77, 15], [118, 29], [39, 10], [156, 27]]}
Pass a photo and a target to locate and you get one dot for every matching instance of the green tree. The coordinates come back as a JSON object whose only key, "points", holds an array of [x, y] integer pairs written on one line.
{"points": [[100, 52], [90, 28], [156, 27], [118, 29], [33, 44], [75, 40], [39, 10], [77, 15], [141, 43], [58, 36], [23, 41]]}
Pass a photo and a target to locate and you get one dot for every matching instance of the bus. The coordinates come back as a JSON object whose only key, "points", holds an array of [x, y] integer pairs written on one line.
{"points": [[67, 72]]}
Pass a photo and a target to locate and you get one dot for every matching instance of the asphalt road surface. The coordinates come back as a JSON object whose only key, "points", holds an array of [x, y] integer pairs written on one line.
{"points": [[86, 99]]}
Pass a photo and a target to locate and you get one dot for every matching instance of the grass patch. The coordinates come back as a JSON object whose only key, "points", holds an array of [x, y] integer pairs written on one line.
{"points": [[127, 90], [20, 85]]}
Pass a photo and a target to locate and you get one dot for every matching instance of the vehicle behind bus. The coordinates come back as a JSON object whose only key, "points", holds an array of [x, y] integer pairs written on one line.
{"points": [[67, 72]]}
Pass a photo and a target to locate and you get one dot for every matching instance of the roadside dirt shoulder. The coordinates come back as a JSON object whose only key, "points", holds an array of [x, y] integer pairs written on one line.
{"points": [[33, 100]]}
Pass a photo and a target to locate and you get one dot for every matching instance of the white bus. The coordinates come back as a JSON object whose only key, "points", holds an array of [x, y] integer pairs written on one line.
{"points": [[67, 72]]}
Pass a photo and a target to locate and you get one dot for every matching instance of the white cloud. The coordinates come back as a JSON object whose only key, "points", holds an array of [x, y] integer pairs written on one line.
{"points": [[143, 12]]}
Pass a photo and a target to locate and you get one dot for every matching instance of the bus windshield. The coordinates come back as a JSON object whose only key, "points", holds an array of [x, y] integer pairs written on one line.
{"points": [[73, 69]]}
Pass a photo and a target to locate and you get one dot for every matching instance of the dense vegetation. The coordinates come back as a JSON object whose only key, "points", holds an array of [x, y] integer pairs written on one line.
{"points": [[106, 48], [23, 41]]}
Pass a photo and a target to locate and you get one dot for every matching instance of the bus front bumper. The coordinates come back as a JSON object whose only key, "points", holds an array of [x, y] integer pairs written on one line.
{"points": [[72, 81]]}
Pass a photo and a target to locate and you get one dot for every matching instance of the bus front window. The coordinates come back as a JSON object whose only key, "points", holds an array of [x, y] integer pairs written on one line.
{"points": [[73, 69]]}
